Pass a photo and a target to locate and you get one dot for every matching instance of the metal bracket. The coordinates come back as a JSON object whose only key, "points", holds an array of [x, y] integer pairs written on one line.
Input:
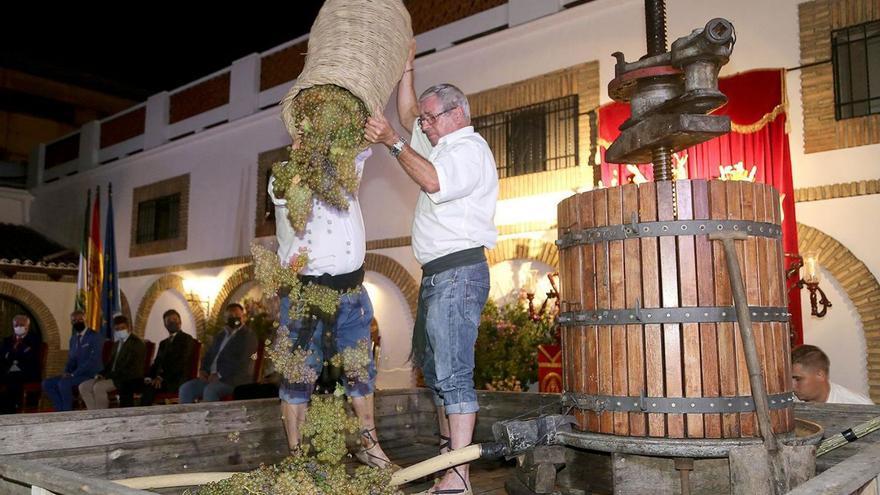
{"points": [[645, 316], [673, 405], [635, 230]]}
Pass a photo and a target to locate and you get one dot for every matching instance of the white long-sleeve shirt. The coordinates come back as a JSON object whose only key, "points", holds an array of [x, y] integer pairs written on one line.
{"points": [[335, 239], [461, 215]]}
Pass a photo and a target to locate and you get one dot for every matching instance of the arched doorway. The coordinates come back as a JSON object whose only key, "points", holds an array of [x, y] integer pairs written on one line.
{"points": [[9, 308], [42, 317]]}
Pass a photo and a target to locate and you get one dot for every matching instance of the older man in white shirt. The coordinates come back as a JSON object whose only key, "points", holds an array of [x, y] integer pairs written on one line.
{"points": [[336, 246], [453, 224]]}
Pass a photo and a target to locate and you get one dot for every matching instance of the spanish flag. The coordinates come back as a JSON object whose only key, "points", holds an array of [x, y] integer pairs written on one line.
{"points": [[95, 275]]}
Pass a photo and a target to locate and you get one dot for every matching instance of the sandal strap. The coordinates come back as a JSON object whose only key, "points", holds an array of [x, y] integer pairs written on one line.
{"points": [[445, 443], [367, 433]]}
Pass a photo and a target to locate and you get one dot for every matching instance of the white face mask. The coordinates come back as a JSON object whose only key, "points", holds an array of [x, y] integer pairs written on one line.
{"points": [[120, 335], [19, 330]]}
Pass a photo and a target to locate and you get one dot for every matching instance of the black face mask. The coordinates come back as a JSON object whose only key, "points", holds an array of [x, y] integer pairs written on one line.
{"points": [[233, 322], [79, 326], [172, 327]]}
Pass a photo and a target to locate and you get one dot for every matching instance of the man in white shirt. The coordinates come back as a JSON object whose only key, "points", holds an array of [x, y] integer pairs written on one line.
{"points": [[453, 224], [809, 373], [336, 247]]}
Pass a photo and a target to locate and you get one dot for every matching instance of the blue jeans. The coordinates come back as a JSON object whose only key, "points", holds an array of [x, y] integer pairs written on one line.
{"points": [[352, 326], [59, 389], [450, 304], [201, 389]]}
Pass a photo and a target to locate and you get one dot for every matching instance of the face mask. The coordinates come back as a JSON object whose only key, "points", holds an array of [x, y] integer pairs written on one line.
{"points": [[19, 330], [120, 335], [233, 322], [172, 327], [79, 326]]}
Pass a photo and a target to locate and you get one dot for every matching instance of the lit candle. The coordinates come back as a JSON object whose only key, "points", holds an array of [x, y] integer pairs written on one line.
{"points": [[531, 281], [811, 265]]}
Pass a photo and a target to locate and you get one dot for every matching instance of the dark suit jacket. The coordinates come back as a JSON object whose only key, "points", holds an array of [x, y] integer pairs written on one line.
{"points": [[27, 355], [129, 364], [234, 364], [172, 360]]}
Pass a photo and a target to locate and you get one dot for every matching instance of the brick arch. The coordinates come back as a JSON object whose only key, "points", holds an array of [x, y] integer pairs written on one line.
{"points": [[48, 325], [398, 275], [163, 283], [524, 248], [858, 282], [237, 279]]}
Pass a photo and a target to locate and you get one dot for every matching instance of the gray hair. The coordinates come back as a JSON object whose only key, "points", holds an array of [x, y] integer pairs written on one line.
{"points": [[450, 97], [26, 318]]}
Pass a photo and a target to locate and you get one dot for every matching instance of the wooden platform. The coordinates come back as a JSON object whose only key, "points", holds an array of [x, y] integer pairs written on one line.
{"points": [[71, 448]]}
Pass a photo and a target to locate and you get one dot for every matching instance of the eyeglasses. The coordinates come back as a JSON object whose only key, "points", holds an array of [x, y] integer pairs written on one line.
{"points": [[429, 119]]}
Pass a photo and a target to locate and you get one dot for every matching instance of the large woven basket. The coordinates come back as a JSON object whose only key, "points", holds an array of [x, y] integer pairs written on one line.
{"points": [[360, 45]]}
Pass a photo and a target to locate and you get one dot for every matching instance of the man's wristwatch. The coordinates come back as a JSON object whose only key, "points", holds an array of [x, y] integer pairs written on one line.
{"points": [[397, 148]]}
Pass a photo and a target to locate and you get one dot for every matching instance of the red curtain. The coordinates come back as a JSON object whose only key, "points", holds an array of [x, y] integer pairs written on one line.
{"points": [[757, 109]]}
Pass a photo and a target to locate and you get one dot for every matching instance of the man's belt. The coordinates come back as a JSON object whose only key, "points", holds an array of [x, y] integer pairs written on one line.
{"points": [[343, 282], [466, 257]]}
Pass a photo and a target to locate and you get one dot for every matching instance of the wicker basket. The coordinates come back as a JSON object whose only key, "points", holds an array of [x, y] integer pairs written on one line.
{"points": [[360, 45]]}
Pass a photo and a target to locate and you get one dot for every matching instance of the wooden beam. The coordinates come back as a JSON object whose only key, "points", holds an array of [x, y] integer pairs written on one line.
{"points": [[845, 478], [60, 481]]}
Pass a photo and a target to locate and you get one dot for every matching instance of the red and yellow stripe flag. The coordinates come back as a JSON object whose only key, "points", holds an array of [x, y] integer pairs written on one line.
{"points": [[95, 275]]}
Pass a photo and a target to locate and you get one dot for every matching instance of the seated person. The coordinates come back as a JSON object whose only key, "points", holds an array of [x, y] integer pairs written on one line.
{"points": [[19, 363], [83, 363], [227, 363], [170, 368], [809, 372], [124, 372]]}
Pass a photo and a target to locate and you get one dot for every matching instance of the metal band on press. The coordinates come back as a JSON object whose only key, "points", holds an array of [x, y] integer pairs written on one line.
{"points": [[673, 405], [645, 316], [635, 230]]}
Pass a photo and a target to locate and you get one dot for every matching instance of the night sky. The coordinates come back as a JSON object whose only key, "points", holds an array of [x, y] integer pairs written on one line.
{"points": [[136, 54]]}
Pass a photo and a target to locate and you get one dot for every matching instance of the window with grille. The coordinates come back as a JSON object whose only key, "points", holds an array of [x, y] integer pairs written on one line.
{"points": [[158, 219], [535, 138], [855, 54]]}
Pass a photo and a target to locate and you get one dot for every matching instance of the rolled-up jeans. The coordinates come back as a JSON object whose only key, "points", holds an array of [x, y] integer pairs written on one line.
{"points": [[450, 305]]}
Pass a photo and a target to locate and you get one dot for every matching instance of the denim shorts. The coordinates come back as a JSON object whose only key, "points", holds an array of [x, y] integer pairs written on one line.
{"points": [[352, 326], [450, 305]]}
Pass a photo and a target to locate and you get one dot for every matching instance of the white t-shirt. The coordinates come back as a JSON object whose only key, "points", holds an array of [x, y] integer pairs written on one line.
{"points": [[842, 395], [461, 215], [335, 239]]}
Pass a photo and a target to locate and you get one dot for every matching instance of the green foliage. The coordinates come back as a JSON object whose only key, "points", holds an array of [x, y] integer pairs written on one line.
{"points": [[507, 356]]}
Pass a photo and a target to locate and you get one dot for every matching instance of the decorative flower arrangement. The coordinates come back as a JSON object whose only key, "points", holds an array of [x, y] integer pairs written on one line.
{"points": [[508, 341]]}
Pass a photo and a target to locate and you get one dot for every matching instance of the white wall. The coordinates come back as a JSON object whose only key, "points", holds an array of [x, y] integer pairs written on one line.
{"points": [[222, 164], [395, 327], [839, 334], [15, 206]]}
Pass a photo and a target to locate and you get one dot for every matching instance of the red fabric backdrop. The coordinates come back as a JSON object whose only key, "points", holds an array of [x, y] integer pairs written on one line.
{"points": [[758, 139]]}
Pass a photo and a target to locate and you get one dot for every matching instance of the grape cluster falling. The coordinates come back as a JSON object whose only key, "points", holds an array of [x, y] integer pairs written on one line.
{"points": [[330, 123], [312, 473]]}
